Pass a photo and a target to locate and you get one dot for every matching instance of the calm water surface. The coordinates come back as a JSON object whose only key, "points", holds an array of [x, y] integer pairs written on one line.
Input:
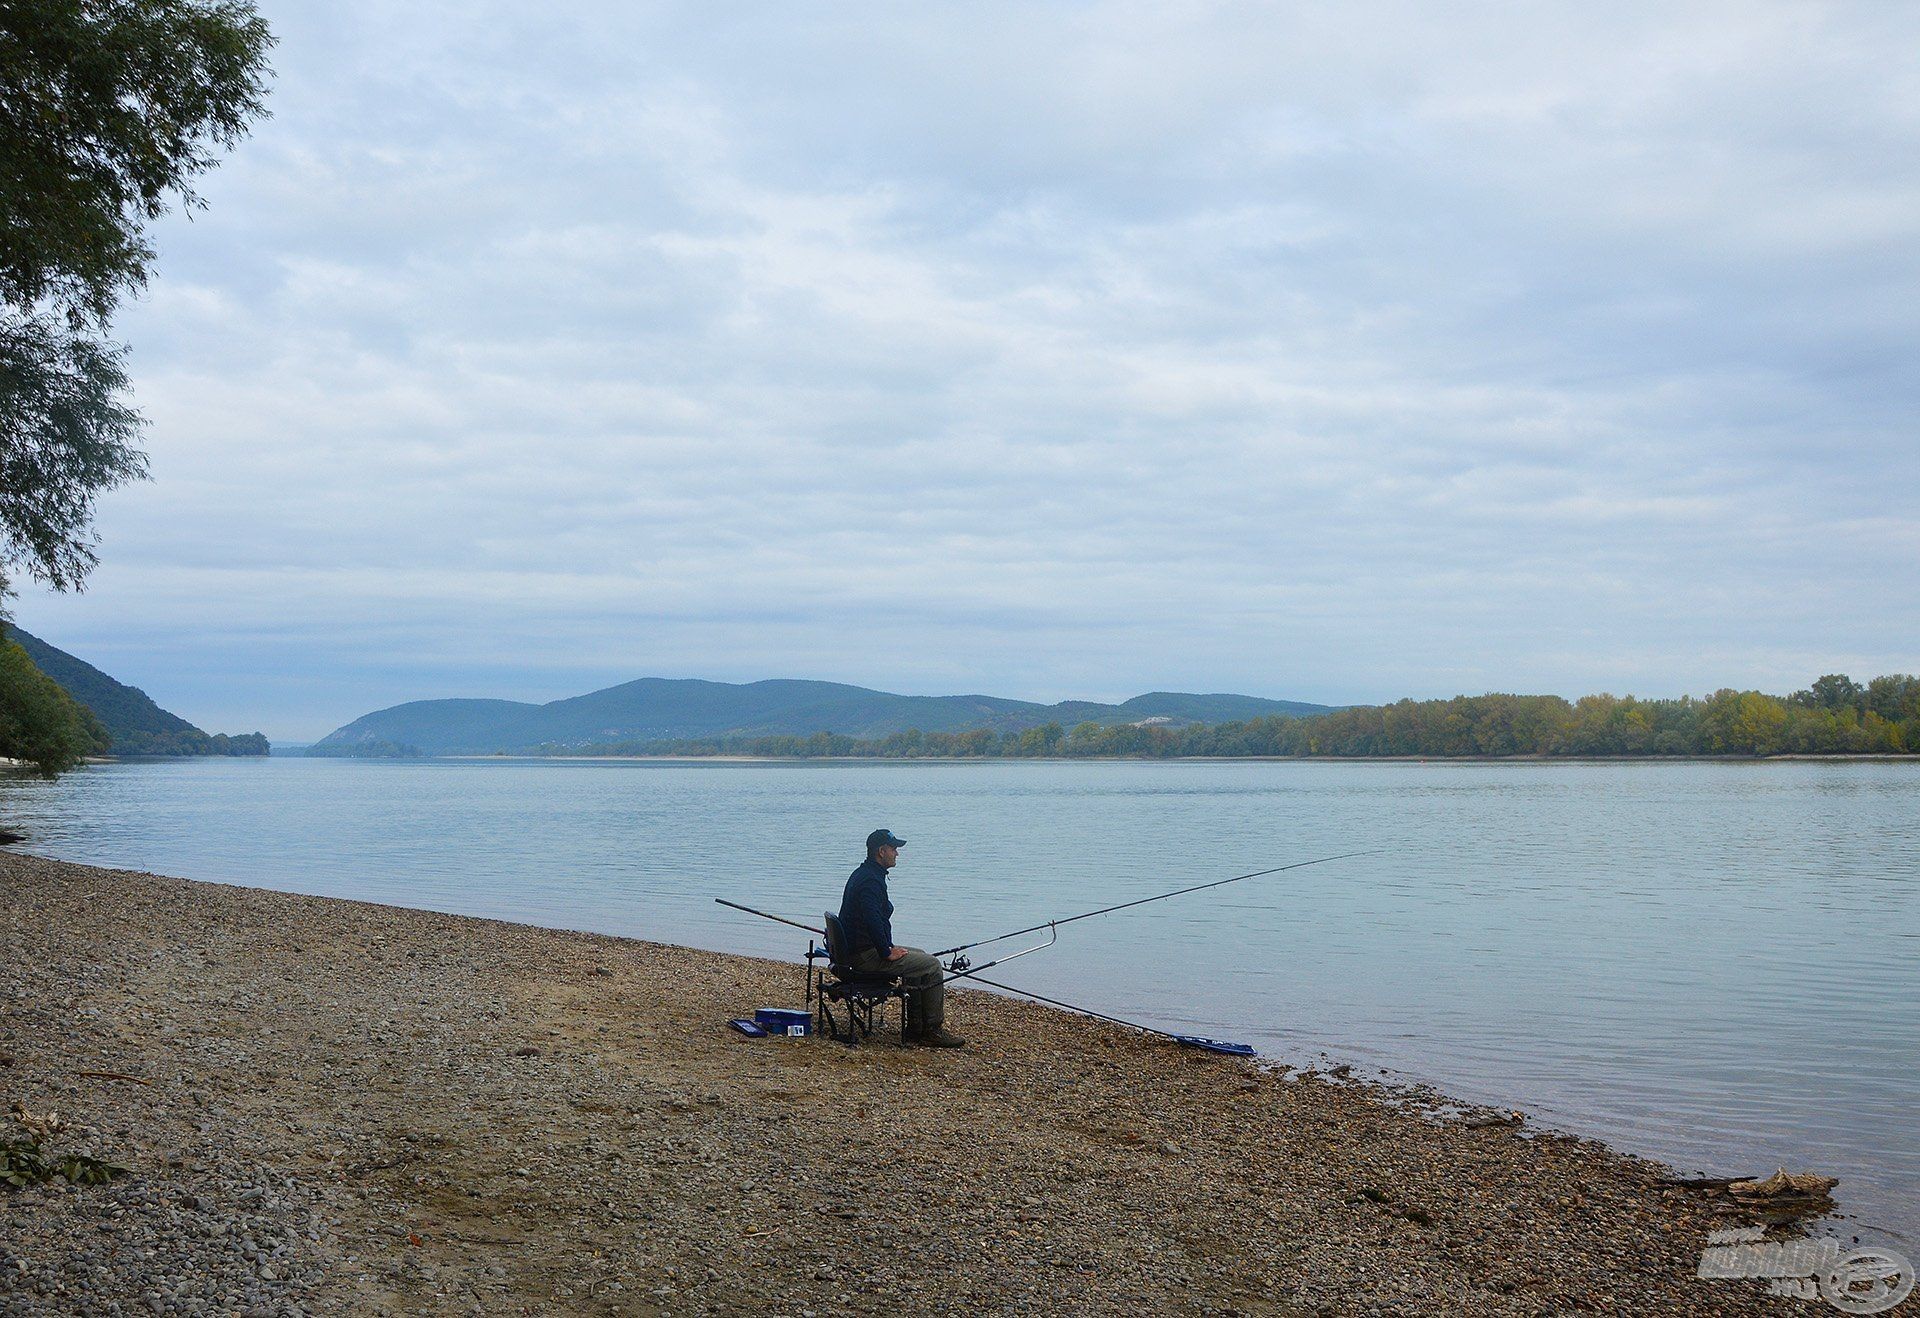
{"points": [[1715, 964]]}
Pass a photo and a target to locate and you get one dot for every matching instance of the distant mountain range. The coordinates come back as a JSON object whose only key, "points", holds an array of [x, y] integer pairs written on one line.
{"points": [[136, 725], [656, 709]]}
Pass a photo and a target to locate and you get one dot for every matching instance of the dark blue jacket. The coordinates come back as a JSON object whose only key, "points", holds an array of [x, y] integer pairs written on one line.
{"points": [[866, 912]]}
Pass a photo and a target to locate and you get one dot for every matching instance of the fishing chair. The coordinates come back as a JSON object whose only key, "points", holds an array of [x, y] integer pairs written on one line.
{"points": [[844, 999]]}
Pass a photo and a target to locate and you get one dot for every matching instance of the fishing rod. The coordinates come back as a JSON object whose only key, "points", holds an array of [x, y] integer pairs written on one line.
{"points": [[764, 915], [961, 965], [964, 972], [1190, 1040]]}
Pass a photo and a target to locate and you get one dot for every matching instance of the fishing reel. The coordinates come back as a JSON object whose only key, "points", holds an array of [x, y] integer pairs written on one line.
{"points": [[962, 964]]}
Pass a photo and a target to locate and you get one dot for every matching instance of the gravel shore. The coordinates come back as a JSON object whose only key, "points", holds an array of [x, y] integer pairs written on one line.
{"points": [[332, 1107]]}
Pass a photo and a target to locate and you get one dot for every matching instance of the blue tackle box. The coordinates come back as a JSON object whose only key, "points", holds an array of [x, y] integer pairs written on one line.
{"points": [[784, 1021]]}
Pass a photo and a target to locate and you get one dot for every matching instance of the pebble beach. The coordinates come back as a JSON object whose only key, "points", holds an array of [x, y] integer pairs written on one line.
{"points": [[331, 1107]]}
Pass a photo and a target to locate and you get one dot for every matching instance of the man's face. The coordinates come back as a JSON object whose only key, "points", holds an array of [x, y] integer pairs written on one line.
{"points": [[887, 856]]}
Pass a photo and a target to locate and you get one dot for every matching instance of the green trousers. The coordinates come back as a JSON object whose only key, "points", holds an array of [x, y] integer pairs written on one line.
{"points": [[924, 980]]}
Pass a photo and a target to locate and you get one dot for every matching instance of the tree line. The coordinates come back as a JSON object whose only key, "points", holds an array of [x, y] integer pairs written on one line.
{"points": [[191, 742], [376, 749], [1833, 716], [44, 726]]}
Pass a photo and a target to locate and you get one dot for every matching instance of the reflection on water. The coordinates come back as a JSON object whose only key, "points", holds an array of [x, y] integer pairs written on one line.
{"points": [[1712, 963]]}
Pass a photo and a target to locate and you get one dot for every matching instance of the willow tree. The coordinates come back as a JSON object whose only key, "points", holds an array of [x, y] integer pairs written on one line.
{"points": [[109, 109]]}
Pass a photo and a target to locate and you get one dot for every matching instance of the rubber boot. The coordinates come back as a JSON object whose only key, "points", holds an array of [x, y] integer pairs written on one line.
{"points": [[939, 1038]]}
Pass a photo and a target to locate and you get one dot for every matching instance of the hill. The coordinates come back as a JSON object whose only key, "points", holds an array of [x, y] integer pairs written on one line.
{"points": [[663, 709], [134, 723]]}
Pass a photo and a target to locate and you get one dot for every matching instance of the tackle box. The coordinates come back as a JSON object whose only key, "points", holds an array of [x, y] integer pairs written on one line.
{"points": [[784, 1021]]}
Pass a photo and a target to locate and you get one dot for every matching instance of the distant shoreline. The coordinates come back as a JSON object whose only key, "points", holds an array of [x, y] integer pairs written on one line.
{"points": [[1143, 759], [657, 719]]}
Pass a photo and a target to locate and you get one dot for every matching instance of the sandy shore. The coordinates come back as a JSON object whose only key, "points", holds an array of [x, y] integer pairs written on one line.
{"points": [[350, 1108]]}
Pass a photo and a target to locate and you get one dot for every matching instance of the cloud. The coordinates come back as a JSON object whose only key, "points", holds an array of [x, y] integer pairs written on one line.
{"points": [[1317, 353]]}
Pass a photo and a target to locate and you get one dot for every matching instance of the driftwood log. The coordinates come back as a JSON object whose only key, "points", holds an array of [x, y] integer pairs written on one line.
{"points": [[1781, 1197]]}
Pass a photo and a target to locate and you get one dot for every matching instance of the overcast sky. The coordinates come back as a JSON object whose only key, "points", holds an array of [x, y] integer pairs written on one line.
{"points": [[1330, 352]]}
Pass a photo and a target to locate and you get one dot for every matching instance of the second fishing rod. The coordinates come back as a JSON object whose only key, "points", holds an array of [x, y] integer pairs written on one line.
{"points": [[960, 964], [959, 967]]}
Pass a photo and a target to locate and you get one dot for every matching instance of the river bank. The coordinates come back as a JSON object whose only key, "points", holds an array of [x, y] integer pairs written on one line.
{"points": [[336, 1107]]}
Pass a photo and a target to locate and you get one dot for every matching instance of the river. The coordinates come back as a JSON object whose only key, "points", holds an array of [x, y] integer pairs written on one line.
{"points": [[1715, 964]]}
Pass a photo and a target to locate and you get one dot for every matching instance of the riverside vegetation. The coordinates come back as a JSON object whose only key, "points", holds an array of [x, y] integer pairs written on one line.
{"points": [[56, 710], [126, 718], [1834, 716]]}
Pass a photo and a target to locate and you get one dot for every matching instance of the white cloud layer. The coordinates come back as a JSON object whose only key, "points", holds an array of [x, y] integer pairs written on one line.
{"points": [[1333, 352]]}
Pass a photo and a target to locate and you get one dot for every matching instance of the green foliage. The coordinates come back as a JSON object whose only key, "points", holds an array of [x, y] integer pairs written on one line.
{"points": [[191, 742], [40, 723], [134, 724], [109, 108], [1893, 697], [1742, 723], [23, 1163], [1834, 717], [364, 750], [64, 440], [1834, 691]]}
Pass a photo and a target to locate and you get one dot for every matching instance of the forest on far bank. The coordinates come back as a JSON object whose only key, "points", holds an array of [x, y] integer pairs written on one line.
{"points": [[1833, 716]]}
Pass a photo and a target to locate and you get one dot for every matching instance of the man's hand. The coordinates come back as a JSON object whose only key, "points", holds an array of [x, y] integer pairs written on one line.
{"points": [[896, 953]]}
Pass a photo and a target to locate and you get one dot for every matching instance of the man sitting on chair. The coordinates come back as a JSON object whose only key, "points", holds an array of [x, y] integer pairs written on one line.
{"points": [[867, 916]]}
